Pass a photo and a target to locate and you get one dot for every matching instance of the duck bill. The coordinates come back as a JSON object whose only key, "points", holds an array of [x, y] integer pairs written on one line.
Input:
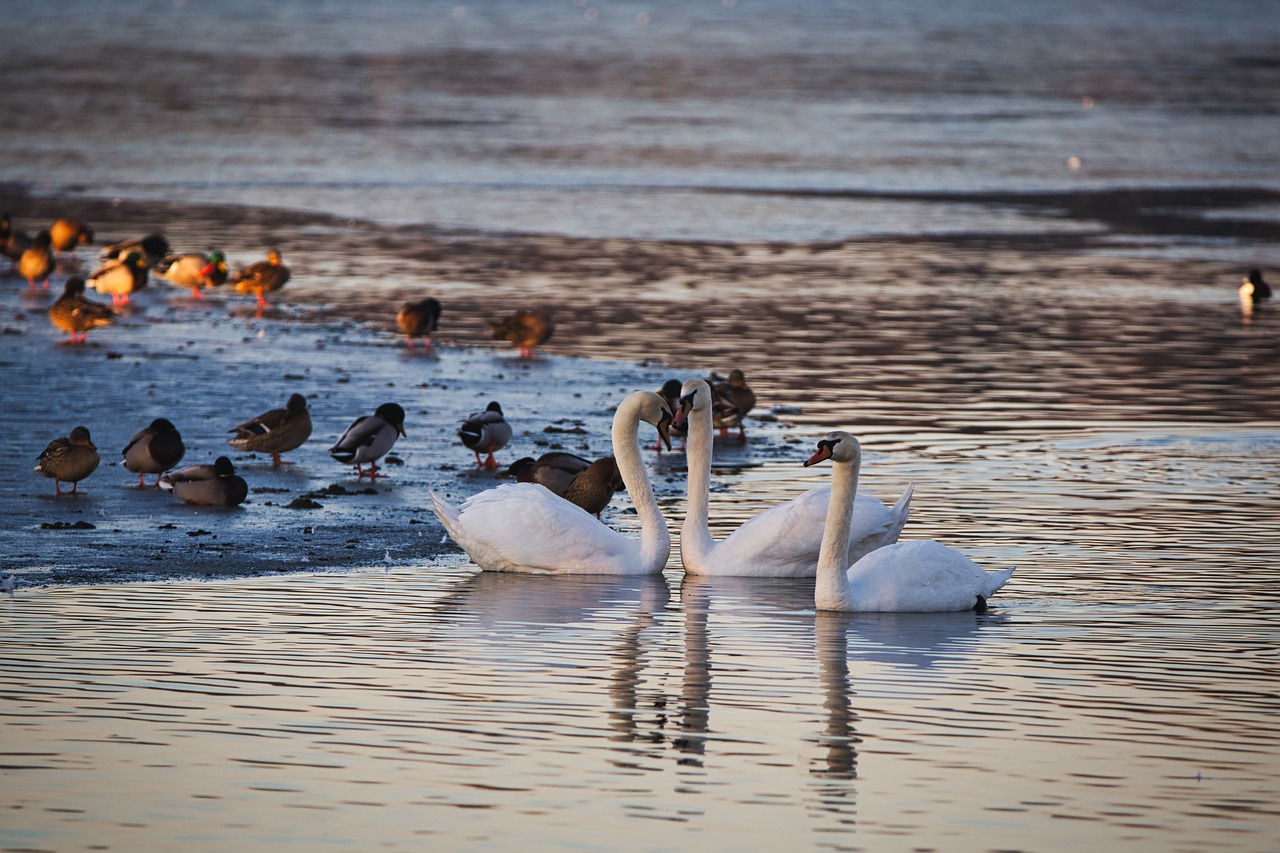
{"points": [[400, 429]]}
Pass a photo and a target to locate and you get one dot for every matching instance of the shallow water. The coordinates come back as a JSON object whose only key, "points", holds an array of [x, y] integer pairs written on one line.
{"points": [[1065, 376]]}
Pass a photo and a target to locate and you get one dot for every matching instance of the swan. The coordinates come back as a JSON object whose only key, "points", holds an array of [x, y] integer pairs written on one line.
{"points": [[921, 576], [524, 527], [781, 541]]}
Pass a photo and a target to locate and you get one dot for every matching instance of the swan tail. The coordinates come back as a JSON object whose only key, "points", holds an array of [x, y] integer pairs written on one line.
{"points": [[995, 580], [900, 512], [448, 515]]}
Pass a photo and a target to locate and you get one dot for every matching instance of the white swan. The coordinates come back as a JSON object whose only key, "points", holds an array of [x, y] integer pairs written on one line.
{"points": [[524, 527], [781, 541], [907, 577]]}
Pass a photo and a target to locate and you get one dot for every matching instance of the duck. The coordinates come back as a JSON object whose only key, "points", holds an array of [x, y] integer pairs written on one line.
{"points": [[276, 431], [594, 488], [36, 263], [419, 320], [262, 278], [486, 432], [69, 459], [68, 234], [733, 400], [781, 541], [194, 270], [151, 249], [590, 485], [670, 391], [74, 314], [919, 576], [120, 278], [154, 450], [207, 485], [368, 438], [525, 329], [12, 242], [524, 527]]}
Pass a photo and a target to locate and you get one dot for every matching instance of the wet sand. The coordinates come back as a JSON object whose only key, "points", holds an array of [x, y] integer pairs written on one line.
{"points": [[899, 340]]}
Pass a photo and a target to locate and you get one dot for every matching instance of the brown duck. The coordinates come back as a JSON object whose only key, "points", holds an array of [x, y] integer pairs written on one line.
{"points": [[36, 263], [67, 234], [419, 320], [593, 488], [525, 329], [275, 432], [731, 401], [262, 278], [69, 460], [74, 314]]}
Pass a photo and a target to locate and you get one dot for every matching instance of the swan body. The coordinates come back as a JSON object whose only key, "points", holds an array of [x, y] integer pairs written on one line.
{"points": [[69, 459], [524, 527], [369, 438], [781, 541], [207, 485], [276, 431], [921, 576]]}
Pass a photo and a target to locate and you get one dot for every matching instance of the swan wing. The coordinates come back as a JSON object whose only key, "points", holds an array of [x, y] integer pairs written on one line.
{"points": [[921, 576], [524, 527]]}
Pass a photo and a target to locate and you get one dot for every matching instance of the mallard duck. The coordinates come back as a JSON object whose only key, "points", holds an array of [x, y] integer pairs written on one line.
{"points": [[262, 278], [485, 432], [67, 234], [151, 249], [555, 470], [593, 488], [154, 450], [732, 400], [207, 485], [368, 438], [120, 279], [69, 460], [36, 263], [525, 329], [419, 320], [275, 432], [72, 313], [194, 271], [12, 243]]}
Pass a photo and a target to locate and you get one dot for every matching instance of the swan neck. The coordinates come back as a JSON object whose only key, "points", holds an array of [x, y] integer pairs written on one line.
{"points": [[655, 540], [831, 589], [695, 534]]}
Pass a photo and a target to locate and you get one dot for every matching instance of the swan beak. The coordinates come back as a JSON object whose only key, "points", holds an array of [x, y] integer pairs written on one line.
{"points": [[682, 411], [822, 453], [664, 429]]}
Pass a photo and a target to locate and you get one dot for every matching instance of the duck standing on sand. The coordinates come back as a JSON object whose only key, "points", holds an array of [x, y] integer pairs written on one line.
{"points": [[419, 320], [69, 460], [275, 432], [207, 485], [194, 271], [68, 234], [368, 438], [151, 249], [120, 279], [733, 399], [262, 278], [154, 450], [525, 329], [74, 314], [485, 432], [36, 262]]}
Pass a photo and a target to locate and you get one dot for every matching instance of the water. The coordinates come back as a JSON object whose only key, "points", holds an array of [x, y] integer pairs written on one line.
{"points": [[975, 235]]}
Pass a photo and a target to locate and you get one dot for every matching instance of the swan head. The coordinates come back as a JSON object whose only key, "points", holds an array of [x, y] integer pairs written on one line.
{"points": [[652, 409], [838, 446], [695, 394]]}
